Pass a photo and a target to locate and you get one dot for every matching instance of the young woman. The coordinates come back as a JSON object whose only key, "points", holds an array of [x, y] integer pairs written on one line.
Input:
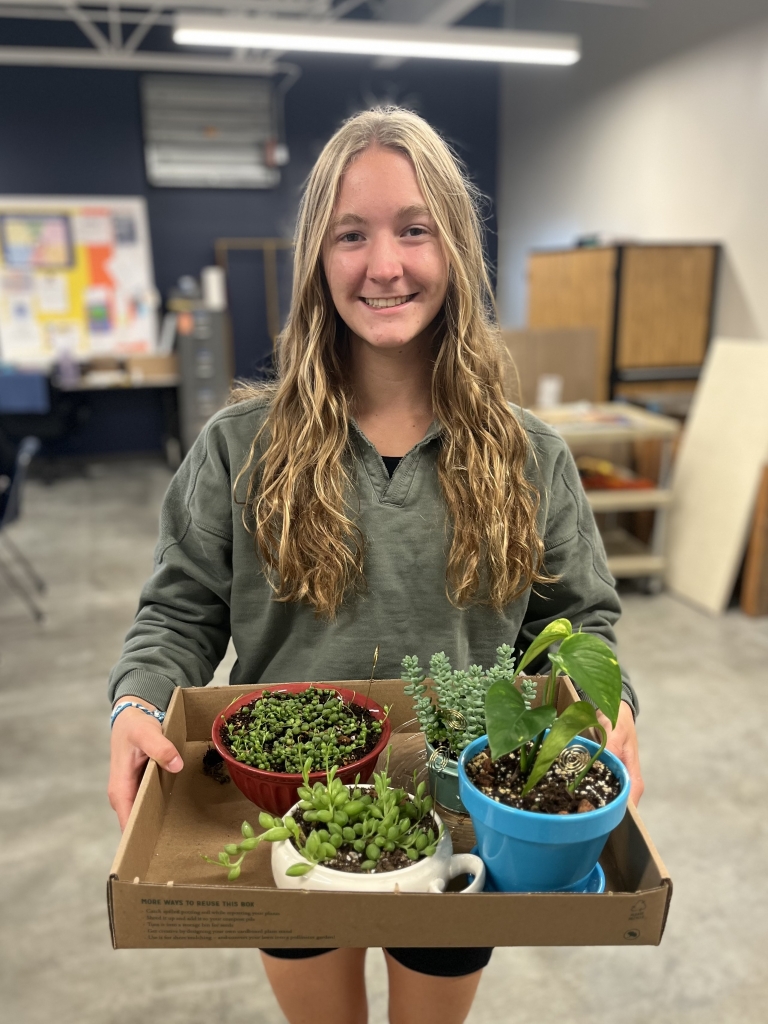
{"points": [[380, 491]]}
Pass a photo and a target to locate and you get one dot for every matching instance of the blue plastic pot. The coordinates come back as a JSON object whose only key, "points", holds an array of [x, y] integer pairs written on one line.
{"points": [[528, 852]]}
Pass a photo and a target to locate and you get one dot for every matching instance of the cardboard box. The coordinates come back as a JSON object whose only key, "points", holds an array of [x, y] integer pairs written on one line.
{"points": [[161, 893], [568, 355], [153, 368]]}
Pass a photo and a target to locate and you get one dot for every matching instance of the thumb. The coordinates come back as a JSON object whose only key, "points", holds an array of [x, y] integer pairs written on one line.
{"points": [[160, 749]]}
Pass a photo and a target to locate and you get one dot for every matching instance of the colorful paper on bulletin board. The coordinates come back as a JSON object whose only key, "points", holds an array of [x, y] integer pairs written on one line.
{"points": [[75, 276]]}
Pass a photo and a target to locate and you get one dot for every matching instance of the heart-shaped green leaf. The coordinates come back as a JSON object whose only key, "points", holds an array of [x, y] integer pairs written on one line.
{"points": [[574, 719], [504, 705], [557, 630], [508, 723], [593, 667]]}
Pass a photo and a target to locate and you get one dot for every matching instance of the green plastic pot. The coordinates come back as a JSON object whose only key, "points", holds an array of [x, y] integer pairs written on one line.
{"points": [[444, 781]]}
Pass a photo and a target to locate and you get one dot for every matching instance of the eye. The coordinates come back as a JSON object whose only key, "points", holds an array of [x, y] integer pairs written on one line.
{"points": [[351, 236], [415, 231]]}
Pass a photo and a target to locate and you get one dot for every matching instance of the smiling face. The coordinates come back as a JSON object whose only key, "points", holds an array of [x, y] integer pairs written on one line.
{"points": [[382, 257]]}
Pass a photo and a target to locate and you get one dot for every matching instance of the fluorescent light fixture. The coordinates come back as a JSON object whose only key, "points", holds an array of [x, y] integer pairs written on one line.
{"points": [[379, 39]]}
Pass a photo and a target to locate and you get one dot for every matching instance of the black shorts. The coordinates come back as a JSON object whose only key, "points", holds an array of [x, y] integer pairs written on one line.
{"points": [[440, 961]]}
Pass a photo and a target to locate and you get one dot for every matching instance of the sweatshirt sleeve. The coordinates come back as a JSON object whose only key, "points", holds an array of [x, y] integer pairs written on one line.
{"points": [[585, 591], [182, 626]]}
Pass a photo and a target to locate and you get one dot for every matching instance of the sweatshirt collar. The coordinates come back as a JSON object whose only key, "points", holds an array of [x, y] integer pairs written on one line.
{"points": [[394, 490]]}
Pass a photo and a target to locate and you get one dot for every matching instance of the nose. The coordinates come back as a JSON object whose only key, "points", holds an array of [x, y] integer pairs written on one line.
{"points": [[384, 262]]}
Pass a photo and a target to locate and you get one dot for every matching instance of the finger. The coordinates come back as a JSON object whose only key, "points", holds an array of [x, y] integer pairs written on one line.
{"points": [[624, 747], [616, 743], [122, 797], [124, 777], [629, 758], [148, 737], [604, 721], [637, 787]]}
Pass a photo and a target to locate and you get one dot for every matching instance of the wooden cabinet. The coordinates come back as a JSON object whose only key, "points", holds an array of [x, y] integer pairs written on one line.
{"points": [[650, 305]]}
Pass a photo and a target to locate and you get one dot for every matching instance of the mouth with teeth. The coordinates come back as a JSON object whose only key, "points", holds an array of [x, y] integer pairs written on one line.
{"points": [[397, 300]]}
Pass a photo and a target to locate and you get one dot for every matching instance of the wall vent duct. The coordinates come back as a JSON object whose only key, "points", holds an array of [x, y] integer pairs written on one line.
{"points": [[209, 132]]}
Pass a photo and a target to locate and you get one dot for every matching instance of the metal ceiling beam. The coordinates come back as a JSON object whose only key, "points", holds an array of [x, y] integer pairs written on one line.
{"points": [[427, 12], [89, 29], [74, 57], [158, 13], [614, 3], [117, 34], [314, 8], [147, 23]]}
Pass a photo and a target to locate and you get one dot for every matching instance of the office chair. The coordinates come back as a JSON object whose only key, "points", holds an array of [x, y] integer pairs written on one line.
{"points": [[10, 508]]}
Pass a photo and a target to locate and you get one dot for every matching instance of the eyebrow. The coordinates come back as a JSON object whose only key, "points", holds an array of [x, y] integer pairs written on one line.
{"points": [[348, 218], [417, 210], [404, 213]]}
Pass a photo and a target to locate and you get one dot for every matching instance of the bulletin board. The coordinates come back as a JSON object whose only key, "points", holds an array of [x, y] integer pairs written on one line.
{"points": [[76, 277]]}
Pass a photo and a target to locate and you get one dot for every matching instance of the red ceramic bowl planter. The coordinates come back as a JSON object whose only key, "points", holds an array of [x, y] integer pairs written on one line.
{"points": [[277, 792]]}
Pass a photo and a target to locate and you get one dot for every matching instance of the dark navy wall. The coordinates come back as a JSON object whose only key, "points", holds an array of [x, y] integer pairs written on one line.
{"points": [[79, 132]]}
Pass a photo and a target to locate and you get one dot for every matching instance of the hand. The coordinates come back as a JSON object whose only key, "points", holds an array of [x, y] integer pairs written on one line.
{"points": [[622, 741], [135, 738]]}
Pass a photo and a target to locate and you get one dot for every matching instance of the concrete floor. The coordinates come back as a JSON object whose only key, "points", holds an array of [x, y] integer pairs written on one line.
{"points": [[703, 728]]}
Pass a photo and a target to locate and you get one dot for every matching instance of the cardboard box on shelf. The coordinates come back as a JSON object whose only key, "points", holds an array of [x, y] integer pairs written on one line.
{"points": [[150, 368], [549, 367], [161, 894]]}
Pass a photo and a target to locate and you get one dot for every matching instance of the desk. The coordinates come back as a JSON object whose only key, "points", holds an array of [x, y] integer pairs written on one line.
{"points": [[112, 408], [134, 373], [153, 371], [127, 405], [106, 380], [583, 425]]}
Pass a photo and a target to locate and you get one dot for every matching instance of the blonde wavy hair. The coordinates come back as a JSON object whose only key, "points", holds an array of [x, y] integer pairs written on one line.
{"points": [[299, 504]]}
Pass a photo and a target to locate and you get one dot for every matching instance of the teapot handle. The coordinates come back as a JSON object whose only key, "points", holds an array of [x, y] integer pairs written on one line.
{"points": [[463, 864]]}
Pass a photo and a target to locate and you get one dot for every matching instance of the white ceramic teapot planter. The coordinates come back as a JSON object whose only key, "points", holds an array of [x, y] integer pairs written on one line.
{"points": [[427, 874]]}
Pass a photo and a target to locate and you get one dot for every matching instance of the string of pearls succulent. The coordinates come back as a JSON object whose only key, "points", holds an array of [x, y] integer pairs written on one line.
{"points": [[280, 731]]}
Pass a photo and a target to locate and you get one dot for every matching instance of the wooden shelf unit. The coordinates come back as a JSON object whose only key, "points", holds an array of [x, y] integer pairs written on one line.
{"points": [[582, 426], [629, 557], [634, 500]]}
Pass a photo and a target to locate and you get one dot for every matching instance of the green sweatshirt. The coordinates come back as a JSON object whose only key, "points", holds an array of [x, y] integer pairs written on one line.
{"points": [[207, 583]]}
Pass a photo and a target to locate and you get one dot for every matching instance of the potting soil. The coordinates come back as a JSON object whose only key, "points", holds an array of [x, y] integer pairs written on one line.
{"points": [[502, 781], [214, 767]]}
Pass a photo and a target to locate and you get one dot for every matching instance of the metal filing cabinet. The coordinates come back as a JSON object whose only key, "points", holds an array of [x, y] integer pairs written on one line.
{"points": [[205, 369]]}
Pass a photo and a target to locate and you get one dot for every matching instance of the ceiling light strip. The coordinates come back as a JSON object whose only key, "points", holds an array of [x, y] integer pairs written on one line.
{"points": [[377, 39]]}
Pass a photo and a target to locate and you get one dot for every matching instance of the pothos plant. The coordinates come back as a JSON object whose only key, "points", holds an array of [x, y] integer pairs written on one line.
{"points": [[334, 817], [511, 725], [456, 716]]}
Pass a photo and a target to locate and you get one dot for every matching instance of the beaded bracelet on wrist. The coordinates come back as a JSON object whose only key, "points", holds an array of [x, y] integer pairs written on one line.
{"points": [[159, 715]]}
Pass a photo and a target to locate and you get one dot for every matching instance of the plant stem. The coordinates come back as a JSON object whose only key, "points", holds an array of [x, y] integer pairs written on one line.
{"points": [[527, 763], [549, 693], [536, 745], [583, 773]]}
